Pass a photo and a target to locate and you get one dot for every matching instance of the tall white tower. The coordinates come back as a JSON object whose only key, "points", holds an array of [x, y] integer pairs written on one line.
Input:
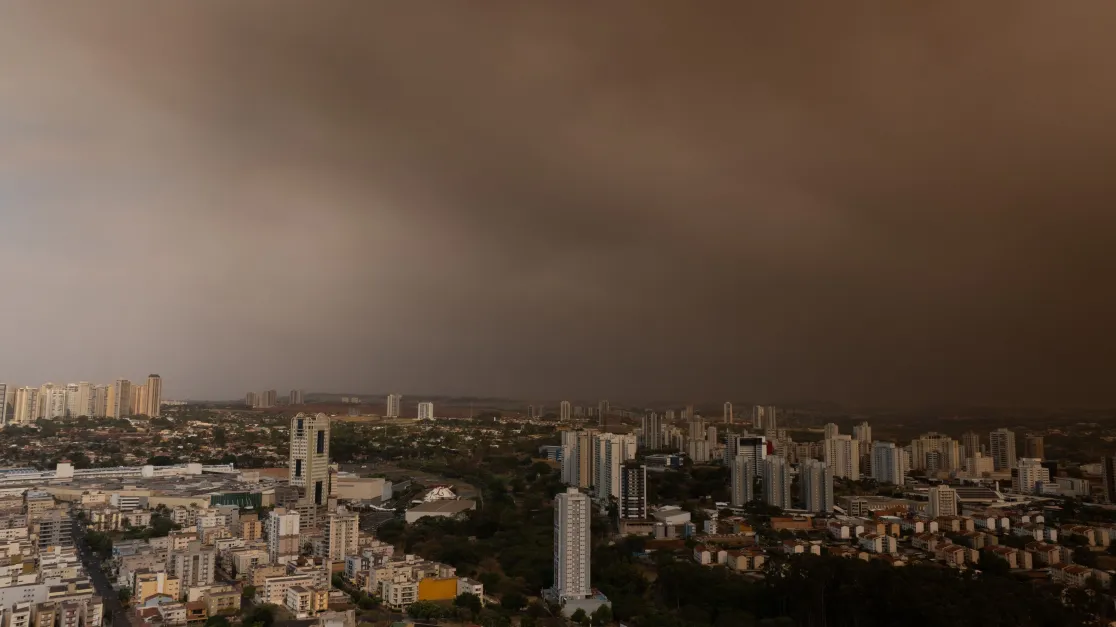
{"points": [[394, 402], [571, 545], [309, 460]]}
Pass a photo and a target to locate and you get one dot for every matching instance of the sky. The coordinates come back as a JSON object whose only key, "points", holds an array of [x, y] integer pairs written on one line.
{"points": [[857, 202]]}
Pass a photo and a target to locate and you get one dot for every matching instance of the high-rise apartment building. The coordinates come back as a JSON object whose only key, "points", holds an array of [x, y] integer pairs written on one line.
{"points": [[3, 405], [776, 482], [971, 442], [343, 532], [816, 486], [942, 450], [742, 480], [571, 545], [153, 405], [565, 411], [764, 418], [612, 450], [652, 432], [602, 413], [139, 399], [943, 502], [393, 406], [26, 406], [195, 566], [633, 491], [282, 527], [51, 401], [888, 463], [842, 456], [426, 411], [79, 399], [1002, 444], [1033, 447], [1108, 475], [863, 434], [1027, 477], [121, 398], [99, 406], [252, 399], [752, 447], [296, 398], [309, 456], [726, 413], [831, 431], [267, 398]]}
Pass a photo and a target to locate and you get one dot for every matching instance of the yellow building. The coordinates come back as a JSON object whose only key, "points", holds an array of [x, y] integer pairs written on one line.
{"points": [[147, 584], [432, 589]]}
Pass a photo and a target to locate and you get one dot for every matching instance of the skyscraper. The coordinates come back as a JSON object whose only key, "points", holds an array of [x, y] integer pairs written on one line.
{"points": [[26, 406], [776, 482], [741, 481], [1033, 447], [943, 502], [267, 398], [3, 405], [1030, 473], [612, 450], [139, 399], [727, 413], [393, 405], [816, 486], [602, 413], [121, 398], [888, 463], [154, 397], [564, 411], [296, 398], [842, 456], [309, 458], [79, 399], [426, 411], [571, 545], [862, 433], [971, 442], [831, 431], [633, 491], [752, 447], [1108, 474], [99, 404], [1002, 443], [252, 399], [652, 432]]}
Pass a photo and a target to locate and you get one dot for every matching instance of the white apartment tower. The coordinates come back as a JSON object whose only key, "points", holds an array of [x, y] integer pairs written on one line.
{"points": [[26, 406], [394, 405], [79, 399], [888, 463], [1030, 473], [343, 533], [426, 411], [652, 432], [1002, 444], [121, 399], [842, 456], [863, 433], [742, 481], [831, 431], [282, 528], [571, 545], [309, 459], [153, 400], [564, 411], [943, 502], [612, 450], [776, 482], [816, 486]]}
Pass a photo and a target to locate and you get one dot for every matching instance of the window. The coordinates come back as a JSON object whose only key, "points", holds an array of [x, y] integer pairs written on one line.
{"points": [[298, 467], [298, 425], [317, 492], [321, 442]]}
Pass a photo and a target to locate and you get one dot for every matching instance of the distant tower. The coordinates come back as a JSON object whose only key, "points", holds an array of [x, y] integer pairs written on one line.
{"points": [[122, 398], [652, 432], [633, 491], [741, 481], [1002, 442], [26, 400], [426, 411], [296, 398], [728, 413], [971, 442], [816, 486], [602, 413], [776, 482], [564, 411], [394, 402], [1033, 447], [309, 459], [251, 399], [863, 433], [571, 545], [154, 396], [831, 431]]}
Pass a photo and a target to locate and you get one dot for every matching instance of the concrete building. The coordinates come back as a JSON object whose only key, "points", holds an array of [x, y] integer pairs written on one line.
{"points": [[1002, 445], [1033, 447], [342, 533], [1108, 475], [26, 406], [296, 397], [888, 463], [426, 411], [863, 434], [633, 491], [1029, 475], [652, 432], [831, 431], [309, 457], [394, 405], [194, 566], [79, 399], [816, 486], [564, 411], [970, 441], [776, 482], [572, 545], [121, 399], [752, 447], [842, 456], [612, 450], [283, 535], [726, 413], [153, 399], [742, 481], [943, 502]]}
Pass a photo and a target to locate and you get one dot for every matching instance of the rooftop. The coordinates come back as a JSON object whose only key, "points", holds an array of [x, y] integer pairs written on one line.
{"points": [[445, 507]]}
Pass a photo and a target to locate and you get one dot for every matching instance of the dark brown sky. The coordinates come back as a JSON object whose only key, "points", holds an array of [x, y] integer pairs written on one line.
{"points": [[862, 202]]}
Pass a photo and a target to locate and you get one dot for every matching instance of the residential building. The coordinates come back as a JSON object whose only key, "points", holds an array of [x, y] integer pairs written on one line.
{"points": [[1029, 475], [426, 411], [572, 545], [1002, 444], [934, 452], [194, 566], [79, 399], [393, 406], [564, 411], [888, 461], [831, 431], [121, 398], [842, 455], [752, 447], [296, 398], [26, 406], [741, 481], [726, 413], [283, 535], [776, 482], [612, 450], [309, 457], [267, 398], [1033, 447], [633, 491], [816, 486], [943, 502], [863, 434], [652, 432], [343, 533], [1108, 475], [153, 400], [306, 601]]}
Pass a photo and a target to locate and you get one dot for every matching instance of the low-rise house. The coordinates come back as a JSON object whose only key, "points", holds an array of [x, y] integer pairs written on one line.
{"points": [[1043, 553], [707, 556], [747, 560], [878, 543], [800, 547]]}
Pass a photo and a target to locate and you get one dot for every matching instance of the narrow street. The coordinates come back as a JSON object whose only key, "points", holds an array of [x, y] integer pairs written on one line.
{"points": [[100, 581]]}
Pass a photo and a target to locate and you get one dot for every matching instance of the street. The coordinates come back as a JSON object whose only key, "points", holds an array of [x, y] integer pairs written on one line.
{"points": [[100, 581]]}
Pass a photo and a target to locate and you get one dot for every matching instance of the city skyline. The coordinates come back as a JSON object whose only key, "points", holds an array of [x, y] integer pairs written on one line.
{"points": [[900, 243]]}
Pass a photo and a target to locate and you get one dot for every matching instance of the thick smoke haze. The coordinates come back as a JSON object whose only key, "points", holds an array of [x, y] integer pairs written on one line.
{"points": [[858, 202]]}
